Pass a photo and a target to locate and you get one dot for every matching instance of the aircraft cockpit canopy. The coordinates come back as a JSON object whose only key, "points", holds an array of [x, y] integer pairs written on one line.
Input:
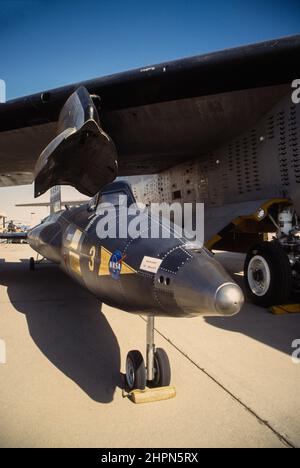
{"points": [[116, 194]]}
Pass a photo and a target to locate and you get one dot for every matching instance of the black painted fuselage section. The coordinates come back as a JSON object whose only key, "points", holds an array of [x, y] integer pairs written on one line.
{"points": [[161, 276]]}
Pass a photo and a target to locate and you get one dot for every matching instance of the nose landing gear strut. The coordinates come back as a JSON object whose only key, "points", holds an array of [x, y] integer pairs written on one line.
{"points": [[156, 372]]}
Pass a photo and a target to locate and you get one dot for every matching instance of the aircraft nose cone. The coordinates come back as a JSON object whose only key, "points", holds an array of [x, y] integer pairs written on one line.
{"points": [[203, 287], [229, 299]]}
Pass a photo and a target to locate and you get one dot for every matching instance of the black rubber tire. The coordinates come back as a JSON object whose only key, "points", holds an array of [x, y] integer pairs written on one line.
{"points": [[280, 287], [31, 264], [138, 364], [162, 374]]}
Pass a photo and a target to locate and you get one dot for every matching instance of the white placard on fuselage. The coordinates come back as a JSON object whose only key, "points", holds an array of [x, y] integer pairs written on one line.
{"points": [[150, 264]]}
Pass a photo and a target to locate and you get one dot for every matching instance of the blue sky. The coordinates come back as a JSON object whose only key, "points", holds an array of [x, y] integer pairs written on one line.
{"points": [[45, 44]]}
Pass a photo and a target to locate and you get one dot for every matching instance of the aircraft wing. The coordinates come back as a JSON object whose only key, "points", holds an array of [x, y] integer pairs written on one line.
{"points": [[69, 203], [156, 116]]}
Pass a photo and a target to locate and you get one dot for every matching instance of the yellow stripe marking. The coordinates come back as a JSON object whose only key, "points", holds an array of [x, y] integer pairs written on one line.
{"points": [[212, 241], [75, 240], [286, 309], [265, 206], [104, 264], [75, 262]]}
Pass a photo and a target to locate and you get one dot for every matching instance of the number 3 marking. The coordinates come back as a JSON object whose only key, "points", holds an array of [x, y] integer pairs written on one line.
{"points": [[92, 259]]}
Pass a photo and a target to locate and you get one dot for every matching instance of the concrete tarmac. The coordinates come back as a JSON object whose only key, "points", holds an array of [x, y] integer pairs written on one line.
{"points": [[61, 384]]}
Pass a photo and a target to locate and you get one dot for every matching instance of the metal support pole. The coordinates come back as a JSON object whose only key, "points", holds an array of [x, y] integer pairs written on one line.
{"points": [[150, 348]]}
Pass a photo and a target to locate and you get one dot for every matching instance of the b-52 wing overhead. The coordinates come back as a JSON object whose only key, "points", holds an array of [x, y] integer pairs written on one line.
{"points": [[141, 121]]}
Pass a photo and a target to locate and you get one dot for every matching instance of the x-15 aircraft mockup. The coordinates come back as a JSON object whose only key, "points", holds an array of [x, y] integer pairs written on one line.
{"points": [[222, 128], [155, 277]]}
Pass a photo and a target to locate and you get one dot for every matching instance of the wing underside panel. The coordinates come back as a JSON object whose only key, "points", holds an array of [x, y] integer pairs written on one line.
{"points": [[152, 138]]}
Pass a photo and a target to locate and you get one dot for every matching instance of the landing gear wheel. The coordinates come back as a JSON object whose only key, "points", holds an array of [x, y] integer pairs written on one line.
{"points": [[31, 264], [135, 371], [162, 369], [268, 274]]}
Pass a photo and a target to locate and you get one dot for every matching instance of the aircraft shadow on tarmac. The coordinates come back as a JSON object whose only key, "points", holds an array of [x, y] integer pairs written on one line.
{"points": [[67, 325], [276, 331]]}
